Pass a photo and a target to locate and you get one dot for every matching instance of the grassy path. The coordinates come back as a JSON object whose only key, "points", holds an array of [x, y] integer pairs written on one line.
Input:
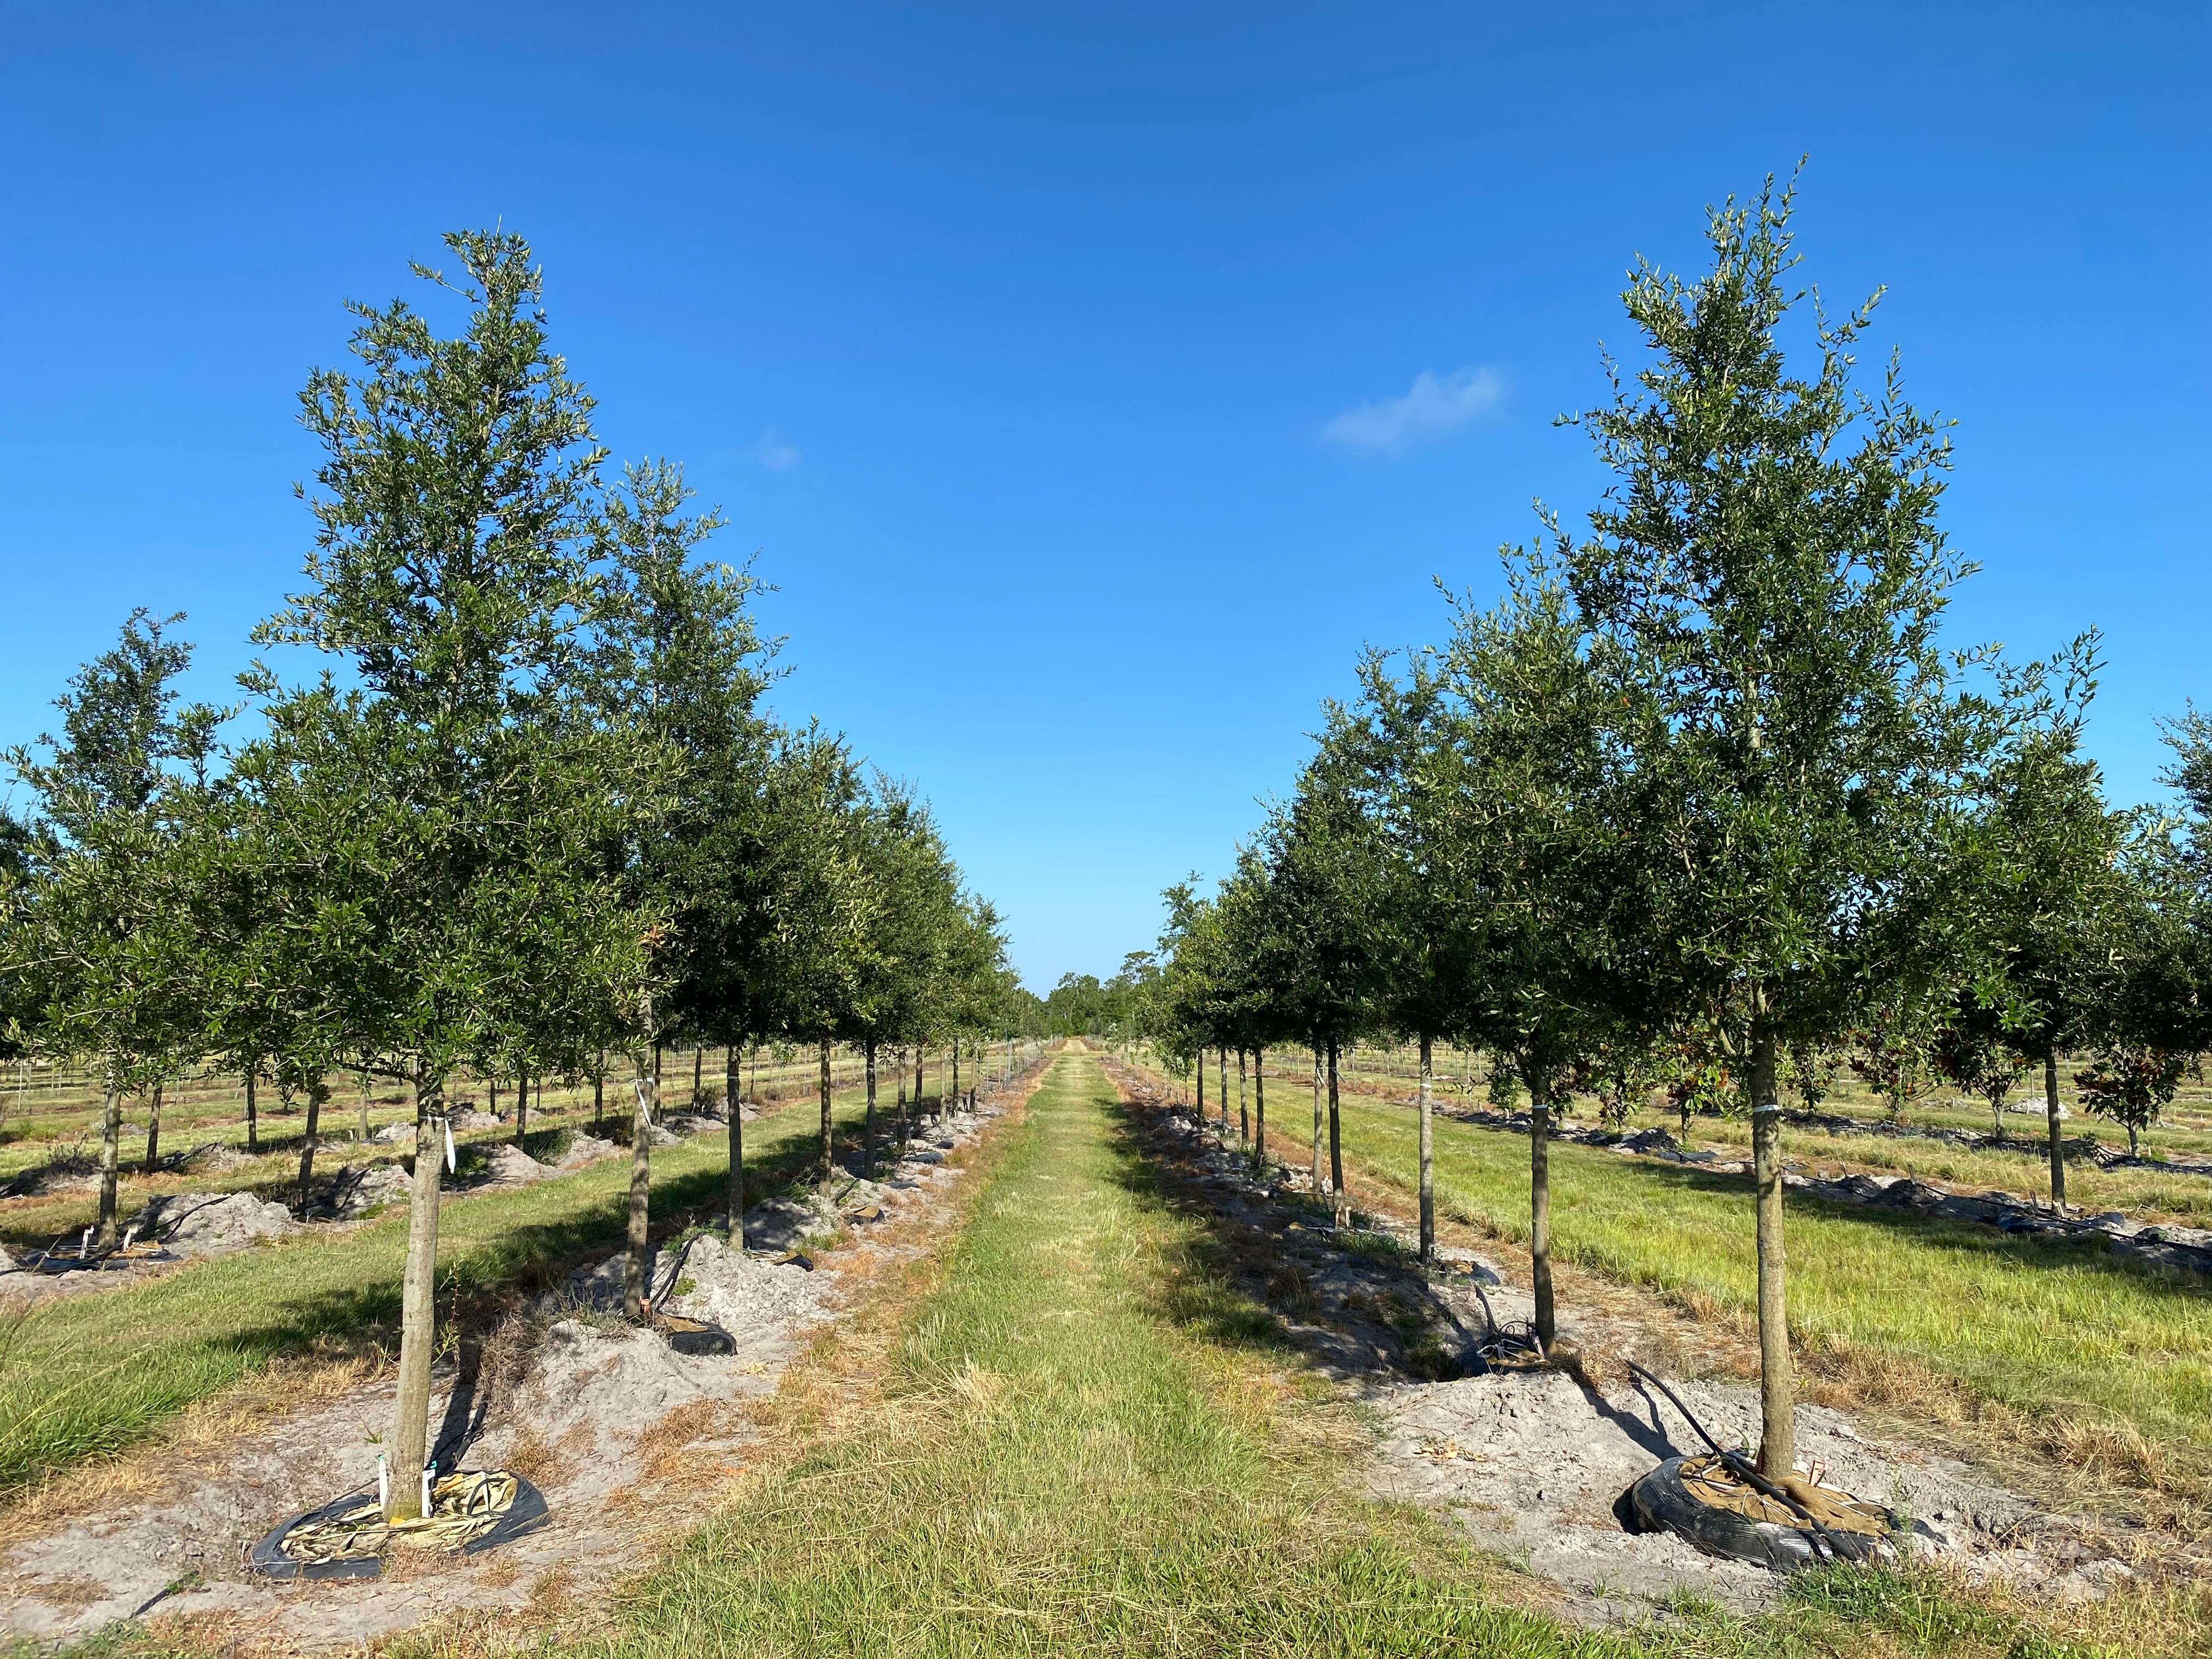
{"points": [[2043, 1327], [88, 1374], [1086, 1444]]}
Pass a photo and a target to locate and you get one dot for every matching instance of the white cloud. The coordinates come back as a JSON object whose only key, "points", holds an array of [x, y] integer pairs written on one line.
{"points": [[774, 453], [1430, 409]]}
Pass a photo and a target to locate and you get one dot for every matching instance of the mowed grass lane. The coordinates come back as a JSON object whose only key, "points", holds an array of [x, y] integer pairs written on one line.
{"points": [[92, 1374], [2040, 1327]]}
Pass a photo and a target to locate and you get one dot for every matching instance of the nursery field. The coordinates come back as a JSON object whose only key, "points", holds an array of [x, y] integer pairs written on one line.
{"points": [[88, 1374], [2060, 1344], [1078, 1435]]}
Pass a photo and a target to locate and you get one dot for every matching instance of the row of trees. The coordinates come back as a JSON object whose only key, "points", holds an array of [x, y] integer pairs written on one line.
{"points": [[1705, 799], [533, 812]]}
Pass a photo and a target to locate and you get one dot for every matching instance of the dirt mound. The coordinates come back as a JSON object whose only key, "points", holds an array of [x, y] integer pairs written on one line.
{"points": [[365, 1191], [786, 1223], [740, 1293], [585, 1149], [508, 1165], [594, 1377], [1533, 1462], [211, 1224], [65, 1171]]}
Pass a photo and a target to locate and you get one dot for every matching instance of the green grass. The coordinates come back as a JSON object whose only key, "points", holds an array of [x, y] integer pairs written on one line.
{"points": [[1088, 1446], [2043, 1327], [91, 1374]]}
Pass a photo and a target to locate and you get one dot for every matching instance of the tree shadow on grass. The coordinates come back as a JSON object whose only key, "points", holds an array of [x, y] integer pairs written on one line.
{"points": [[1243, 1285]]}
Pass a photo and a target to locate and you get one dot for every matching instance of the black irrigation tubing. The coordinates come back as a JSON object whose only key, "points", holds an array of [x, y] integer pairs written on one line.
{"points": [[675, 1270], [1677, 1402]]}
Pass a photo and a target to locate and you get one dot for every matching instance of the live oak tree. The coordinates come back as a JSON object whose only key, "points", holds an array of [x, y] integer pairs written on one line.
{"points": [[457, 514], [1423, 987], [820, 939], [1764, 584], [900, 984], [2145, 1016], [1252, 1011], [677, 672], [791, 900], [1326, 876], [102, 947], [1518, 821], [2052, 888]]}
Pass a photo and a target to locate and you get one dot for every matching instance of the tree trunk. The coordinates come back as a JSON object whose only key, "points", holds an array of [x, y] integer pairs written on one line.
{"points": [[698, 1059], [1244, 1103], [316, 1093], [364, 1106], [898, 1064], [1201, 1087], [868, 1132], [828, 1169], [154, 1129], [599, 1094], [1221, 1076], [953, 1096], [1778, 1446], [491, 1093], [921, 1060], [111, 1136], [1260, 1105], [1428, 1165], [1318, 1188], [411, 1426], [2135, 1149], [737, 1150], [636, 1271], [1540, 1204], [1335, 1130], [521, 1104], [253, 1120], [2051, 1117]]}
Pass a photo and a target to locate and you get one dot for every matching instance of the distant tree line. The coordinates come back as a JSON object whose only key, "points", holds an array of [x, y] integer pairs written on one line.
{"points": [[531, 819], [1703, 806]]}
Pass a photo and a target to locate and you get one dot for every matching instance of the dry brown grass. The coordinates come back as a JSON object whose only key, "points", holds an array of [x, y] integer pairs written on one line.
{"points": [[200, 1438]]}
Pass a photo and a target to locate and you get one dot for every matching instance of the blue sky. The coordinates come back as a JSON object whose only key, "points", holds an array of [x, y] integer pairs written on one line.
{"points": [[1094, 381]]}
